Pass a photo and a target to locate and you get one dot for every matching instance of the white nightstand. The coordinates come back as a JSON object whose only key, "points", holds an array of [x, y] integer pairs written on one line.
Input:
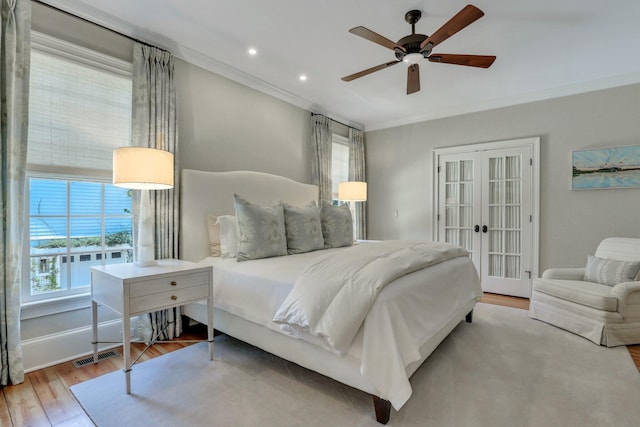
{"points": [[130, 290]]}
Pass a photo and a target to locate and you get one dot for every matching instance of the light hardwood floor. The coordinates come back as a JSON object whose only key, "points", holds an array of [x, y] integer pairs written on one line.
{"points": [[44, 398]]}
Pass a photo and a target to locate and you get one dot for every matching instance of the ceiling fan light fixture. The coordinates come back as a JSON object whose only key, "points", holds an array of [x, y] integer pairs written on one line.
{"points": [[413, 58]]}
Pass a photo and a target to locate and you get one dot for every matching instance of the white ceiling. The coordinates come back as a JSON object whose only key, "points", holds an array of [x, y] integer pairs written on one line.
{"points": [[544, 49]]}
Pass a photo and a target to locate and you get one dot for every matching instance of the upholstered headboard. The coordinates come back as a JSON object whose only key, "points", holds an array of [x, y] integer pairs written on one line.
{"points": [[204, 193]]}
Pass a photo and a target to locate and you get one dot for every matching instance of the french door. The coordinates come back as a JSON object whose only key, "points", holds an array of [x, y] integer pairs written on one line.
{"points": [[485, 203]]}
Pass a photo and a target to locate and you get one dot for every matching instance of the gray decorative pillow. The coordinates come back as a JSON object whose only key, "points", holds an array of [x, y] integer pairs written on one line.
{"points": [[609, 272], [260, 230], [337, 227], [304, 229]]}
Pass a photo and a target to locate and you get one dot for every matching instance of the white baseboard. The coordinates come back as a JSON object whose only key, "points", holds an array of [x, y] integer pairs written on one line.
{"points": [[48, 350]]}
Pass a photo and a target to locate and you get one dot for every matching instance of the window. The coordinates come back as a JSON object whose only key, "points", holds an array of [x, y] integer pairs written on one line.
{"points": [[339, 164], [79, 111]]}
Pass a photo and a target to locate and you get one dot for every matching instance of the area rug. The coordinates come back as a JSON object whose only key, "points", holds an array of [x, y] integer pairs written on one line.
{"points": [[504, 369]]}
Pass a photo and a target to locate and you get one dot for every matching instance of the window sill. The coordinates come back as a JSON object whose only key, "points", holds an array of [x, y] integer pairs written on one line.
{"points": [[32, 310]]}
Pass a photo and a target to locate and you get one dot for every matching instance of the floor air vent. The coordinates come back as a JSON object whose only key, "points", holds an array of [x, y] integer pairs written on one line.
{"points": [[89, 359]]}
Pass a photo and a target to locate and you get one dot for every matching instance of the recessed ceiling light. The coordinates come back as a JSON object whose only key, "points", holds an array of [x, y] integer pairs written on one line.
{"points": [[252, 51], [303, 77]]}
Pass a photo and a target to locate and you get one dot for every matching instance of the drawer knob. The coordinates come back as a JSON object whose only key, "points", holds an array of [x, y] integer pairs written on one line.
{"points": [[173, 297], [174, 283]]}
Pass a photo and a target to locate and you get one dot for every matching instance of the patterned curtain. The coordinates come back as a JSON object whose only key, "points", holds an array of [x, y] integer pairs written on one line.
{"points": [[321, 156], [155, 126], [357, 173], [15, 56]]}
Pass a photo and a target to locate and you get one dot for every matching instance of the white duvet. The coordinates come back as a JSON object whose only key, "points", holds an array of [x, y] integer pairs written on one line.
{"points": [[405, 316], [334, 293]]}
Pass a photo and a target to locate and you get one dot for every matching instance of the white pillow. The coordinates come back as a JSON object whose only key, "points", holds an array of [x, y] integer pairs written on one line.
{"points": [[214, 234], [228, 236]]}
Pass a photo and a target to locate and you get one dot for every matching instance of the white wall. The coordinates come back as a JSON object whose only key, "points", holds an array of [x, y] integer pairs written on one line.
{"points": [[572, 222]]}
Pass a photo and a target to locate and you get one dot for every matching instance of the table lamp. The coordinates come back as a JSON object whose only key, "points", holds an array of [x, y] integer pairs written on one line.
{"points": [[140, 168], [352, 191]]}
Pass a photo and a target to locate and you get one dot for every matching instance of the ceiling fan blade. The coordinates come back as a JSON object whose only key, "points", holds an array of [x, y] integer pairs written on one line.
{"points": [[481, 61], [376, 38], [369, 71], [413, 79], [468, 15]]}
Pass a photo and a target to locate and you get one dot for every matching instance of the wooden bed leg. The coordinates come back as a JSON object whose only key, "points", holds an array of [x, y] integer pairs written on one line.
{"points": [[469, 317], [383, 409]]}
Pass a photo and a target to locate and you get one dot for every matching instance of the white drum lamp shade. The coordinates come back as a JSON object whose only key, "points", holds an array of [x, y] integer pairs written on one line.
{"points": [[140, 168], [352, 191]]}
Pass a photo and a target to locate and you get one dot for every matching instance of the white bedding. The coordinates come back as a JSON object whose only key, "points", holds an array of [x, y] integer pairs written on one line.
{"points": [[334, 293], [405, 315]]}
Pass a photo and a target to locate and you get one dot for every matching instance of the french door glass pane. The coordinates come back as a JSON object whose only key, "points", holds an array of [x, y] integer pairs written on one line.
{"points": [[466, 216], [466, 193], [512, 267], [495, 265], [451, 216], [452, 193], [466, 170], [512, 242], [512, 192], [458, 204], [466, 239], [505, 216], [513, 167], [495, 217], [512, 217], [496, 169], [452, 171], [451, 236], [495, 241], [495, 192]]}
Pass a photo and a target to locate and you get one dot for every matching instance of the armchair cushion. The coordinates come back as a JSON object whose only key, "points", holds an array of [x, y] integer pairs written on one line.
{"points": [[589, 294], [564, 273], [610, 272]]}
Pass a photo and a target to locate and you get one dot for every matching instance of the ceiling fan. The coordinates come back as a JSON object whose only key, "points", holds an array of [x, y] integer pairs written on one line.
{"points": [[415, 48]]}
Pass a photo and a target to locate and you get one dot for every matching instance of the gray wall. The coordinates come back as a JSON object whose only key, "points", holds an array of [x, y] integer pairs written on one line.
{"points": [[399, 169], [222, 126], [226, 126]]}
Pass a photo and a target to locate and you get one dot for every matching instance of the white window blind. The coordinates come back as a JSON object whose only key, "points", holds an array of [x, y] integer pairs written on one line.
{"points": [[80, 107], [339, 163]]}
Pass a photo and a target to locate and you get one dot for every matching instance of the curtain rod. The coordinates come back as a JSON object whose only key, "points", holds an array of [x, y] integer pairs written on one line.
{"points": [[336, 121], [91, 22]]}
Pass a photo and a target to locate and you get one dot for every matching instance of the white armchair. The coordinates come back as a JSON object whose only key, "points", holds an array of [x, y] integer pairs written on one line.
{"points": [[606, 314]]}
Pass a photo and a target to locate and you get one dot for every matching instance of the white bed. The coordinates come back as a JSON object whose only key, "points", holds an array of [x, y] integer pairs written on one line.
{"points": [[408, 320]]}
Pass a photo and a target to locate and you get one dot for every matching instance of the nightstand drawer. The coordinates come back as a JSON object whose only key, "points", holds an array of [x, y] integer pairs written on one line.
{"points": [[164, 299], [167, 284]]}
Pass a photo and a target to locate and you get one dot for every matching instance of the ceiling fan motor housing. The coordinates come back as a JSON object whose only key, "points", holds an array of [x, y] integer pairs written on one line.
{"points": [[411, 44]]}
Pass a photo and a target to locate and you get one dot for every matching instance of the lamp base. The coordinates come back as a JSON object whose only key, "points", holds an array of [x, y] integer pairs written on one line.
{"points": [[145, 247], [146, 256], [150, 263]]}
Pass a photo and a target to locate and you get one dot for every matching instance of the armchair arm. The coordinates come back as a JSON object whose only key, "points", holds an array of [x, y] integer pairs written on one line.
{"points": [[564, 273], [628, 294]]}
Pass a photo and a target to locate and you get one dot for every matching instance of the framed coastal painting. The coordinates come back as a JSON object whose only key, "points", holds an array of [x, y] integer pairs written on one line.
{"points": [[617, 167]]}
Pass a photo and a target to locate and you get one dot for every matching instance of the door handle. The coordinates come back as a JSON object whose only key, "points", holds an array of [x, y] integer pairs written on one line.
{"points": [[484, 228], [476, 228]]}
